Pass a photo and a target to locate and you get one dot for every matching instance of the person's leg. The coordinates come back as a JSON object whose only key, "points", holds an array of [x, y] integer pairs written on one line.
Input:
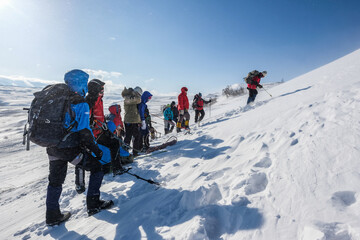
{"points": [[187, 119], [93, 202], [128, 133], [79, 180], [251, 97], [202, 114], [57, 175], [113, 144], [137, 140], [166, 126], [196, 115], [178, 124], [172, 126]]}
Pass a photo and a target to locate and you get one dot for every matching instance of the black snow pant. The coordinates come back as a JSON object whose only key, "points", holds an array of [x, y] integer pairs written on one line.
{"points": [[108, 140], [57, 175], [202, 114], [252, 95], [133, 130]]}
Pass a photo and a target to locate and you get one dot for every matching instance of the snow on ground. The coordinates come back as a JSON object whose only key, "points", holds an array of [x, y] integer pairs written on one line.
{"points": [[286, 167]]}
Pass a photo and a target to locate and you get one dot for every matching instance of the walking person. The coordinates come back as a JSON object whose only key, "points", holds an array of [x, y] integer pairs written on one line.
{"points": [[254, 82], [199, 107], [183, 107]]}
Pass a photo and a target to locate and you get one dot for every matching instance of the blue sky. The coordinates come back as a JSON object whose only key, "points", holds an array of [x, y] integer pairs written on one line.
{"points": [[163, 45]]}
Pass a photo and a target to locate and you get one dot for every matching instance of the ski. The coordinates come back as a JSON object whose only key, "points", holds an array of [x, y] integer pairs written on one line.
{"points": [[151, 154]]}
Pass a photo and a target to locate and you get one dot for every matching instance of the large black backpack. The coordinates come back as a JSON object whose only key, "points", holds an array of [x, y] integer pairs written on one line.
{"points": [[249, 78], [194, 103], [45, 126]]}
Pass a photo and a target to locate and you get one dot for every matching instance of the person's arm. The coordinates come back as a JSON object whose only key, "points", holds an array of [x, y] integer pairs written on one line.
{"points": [[82, 120], [207, 102]]}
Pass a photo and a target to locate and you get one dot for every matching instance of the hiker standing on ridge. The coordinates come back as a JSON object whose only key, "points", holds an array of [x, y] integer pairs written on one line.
{"points": [[145, 120], [132, 117], [183, 107], [168, 119], [99, 127], [72, 148], [254, 82], [115, 123], [175, 111], [199, 107]]}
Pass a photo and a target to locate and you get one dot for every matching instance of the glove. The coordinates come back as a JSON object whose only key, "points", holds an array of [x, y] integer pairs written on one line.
{"points": [[260, 86], [98, 154], [143, 125]]}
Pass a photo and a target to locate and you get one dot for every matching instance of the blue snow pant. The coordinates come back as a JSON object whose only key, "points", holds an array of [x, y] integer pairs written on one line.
{"points": [[252, 95], [57, 175]]}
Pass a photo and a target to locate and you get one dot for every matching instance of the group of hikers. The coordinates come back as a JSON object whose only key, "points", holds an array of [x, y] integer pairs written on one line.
{"points": [[90, 135], [179, 115]]}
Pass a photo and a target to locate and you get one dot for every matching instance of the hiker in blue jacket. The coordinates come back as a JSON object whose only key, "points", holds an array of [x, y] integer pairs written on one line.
{"points": [[145, 120], [168, 119], [78, 145]]}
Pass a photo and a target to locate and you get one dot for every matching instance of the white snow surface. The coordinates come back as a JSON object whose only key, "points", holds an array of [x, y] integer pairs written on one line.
{"points": [[286, 167]]}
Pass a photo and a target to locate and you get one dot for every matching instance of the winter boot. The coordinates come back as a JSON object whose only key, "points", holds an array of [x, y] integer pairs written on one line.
{"points": [[55, 217], [187, 125], [117, 168], [178, 127], [95, 205], [172, 128], [127, 160]]}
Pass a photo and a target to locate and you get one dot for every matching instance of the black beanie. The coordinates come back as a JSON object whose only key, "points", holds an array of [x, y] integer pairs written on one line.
{"points": [[95, 86]]}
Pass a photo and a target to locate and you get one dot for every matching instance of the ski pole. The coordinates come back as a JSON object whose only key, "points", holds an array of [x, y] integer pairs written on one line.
{"points": [[210, 108], [146, 180], [267, 91]]}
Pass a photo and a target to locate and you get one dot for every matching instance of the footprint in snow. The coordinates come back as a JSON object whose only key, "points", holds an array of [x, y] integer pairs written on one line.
{"points": [[294, 142], [264, 163], [256, 183], [343, 199]]}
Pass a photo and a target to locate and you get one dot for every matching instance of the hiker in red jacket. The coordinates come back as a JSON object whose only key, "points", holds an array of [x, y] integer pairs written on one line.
{"points": [[98, 124], [183, 107], [254, 84], [115, 120], [199, 107]]}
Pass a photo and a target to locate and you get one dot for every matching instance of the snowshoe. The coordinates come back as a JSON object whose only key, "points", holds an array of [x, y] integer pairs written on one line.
{"points": [[56, 217], [102, 205]]}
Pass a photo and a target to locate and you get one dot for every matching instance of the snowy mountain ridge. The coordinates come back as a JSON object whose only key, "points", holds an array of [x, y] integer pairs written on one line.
{"points": [[286, 167]]}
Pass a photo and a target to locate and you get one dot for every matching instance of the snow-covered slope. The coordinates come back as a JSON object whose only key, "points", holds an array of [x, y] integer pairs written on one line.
{"points": [[286, 167]]}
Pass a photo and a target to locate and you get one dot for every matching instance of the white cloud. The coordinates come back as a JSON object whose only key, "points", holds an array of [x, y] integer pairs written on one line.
{"points": [[27, 80], [102, 74]]}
